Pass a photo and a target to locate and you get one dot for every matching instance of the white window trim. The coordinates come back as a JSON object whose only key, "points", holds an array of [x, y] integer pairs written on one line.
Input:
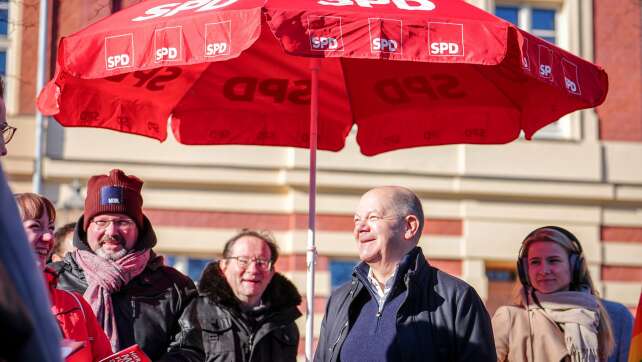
{"points": [[566, 128]]}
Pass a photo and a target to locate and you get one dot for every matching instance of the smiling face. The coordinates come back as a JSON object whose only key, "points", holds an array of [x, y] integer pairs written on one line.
{"points": [[39, 233], [248, 282], [111, 236], [548, 267], [382, 235]]}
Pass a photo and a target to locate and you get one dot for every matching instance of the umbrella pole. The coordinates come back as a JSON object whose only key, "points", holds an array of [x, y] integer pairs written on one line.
{"points": [[312, 195], [40, 119]]}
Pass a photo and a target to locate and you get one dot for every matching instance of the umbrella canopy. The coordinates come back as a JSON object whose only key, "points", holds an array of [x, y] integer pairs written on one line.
{"points": [[459, 75], [408, 73]]}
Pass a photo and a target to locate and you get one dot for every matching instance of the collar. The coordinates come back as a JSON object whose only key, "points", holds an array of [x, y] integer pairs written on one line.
{"points": [[387, 287], [364, 273], [279, 294]]}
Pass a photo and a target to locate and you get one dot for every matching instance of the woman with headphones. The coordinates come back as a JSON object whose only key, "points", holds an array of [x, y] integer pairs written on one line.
{"points": [[556, 315]]}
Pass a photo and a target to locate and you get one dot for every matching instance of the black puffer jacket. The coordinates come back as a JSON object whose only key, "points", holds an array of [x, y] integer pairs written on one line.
{"points": [[441, 319], [227, 333], [154, 309]]}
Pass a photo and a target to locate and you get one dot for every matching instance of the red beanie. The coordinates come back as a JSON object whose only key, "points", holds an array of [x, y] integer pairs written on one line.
{"points": [[116, 193]]}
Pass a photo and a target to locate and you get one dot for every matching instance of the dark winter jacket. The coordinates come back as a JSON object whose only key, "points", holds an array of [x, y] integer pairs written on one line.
{"points": [[230, 335], [153, 310], [441, 319], [16, 324]]}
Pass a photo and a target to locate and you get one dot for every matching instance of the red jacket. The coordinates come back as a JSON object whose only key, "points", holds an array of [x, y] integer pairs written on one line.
{"points": [[77, 324]]}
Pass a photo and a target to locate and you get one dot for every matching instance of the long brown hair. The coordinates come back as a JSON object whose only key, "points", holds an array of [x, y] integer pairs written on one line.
{"points": [[571, 245], [32, 206]]}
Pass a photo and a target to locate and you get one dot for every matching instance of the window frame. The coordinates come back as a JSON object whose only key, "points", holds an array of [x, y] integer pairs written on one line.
{"points": [[567, 128]]}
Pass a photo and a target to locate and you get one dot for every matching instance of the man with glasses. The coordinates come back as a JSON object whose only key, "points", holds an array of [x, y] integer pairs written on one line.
{"points": [[136, 298], [7, 130], [246, 309], [7, 133]]}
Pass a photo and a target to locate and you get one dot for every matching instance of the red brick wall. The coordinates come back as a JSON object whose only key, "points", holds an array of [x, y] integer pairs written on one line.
{"points": [[621, 234], [297, 221], [66, 17], [28, 58], [618, 48], [621, 273]]}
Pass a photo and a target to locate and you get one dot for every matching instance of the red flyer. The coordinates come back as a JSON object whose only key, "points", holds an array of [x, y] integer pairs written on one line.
{"points": [[129, 354]]}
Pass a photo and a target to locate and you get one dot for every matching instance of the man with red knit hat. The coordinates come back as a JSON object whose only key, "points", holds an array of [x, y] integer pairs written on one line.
{"points": [[136, 298]]}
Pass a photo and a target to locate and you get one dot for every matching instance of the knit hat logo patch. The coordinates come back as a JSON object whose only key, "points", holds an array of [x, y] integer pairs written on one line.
{"points": [[114, 193], [111, 195]]}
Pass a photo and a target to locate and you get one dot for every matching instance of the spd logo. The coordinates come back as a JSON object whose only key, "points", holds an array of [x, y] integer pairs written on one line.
{"points": [[326, 33], [385, 35], [425, 5], [446, 39], [246, 89], [324, 43], [571, 78], [404, 90], [119, 51], [172, 9], [217, 38], [545, 69], [168, 44]]}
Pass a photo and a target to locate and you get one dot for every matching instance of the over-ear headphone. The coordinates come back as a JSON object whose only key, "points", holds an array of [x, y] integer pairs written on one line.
{"points": [[575, 258]]}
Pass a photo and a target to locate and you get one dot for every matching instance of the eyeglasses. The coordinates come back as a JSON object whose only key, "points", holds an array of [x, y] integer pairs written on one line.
{"points": [[121, 224], [7, 133], [244, 262]]}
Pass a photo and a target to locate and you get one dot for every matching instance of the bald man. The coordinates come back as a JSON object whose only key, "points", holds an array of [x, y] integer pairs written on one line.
{"points": [[397, 307]]}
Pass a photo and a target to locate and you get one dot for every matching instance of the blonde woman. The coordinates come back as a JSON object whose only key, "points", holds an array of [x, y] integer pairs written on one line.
{"points": [[557, 315]]}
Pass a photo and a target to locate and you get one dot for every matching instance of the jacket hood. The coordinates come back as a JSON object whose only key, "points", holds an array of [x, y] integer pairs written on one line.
{"points": [[279, 294], [146, 236]]}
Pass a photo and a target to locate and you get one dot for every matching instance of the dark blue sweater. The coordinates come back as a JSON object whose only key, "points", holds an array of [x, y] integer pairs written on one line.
{"points": [[372, 337]]}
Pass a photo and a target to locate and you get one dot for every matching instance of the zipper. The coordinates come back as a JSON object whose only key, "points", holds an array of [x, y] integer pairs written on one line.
{"points": [[251, 347], [345, 325], [134, 309], [378, 315]]}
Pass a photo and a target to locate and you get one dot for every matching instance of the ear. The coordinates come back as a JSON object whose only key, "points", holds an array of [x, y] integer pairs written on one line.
{"points": [[411, 227], [223, 265]]}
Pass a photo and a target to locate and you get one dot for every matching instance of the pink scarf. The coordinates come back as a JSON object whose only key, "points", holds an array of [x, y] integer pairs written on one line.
{"points": [[105, 277]]}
